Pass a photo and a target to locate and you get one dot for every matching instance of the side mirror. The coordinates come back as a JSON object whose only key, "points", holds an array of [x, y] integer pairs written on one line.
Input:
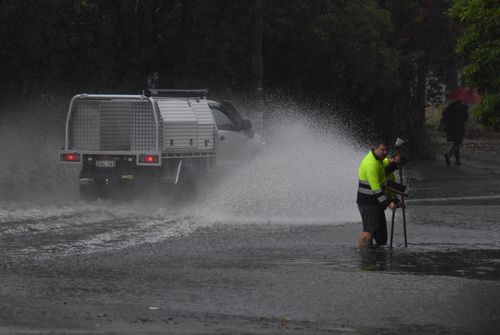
{"points": [[246, 124]]}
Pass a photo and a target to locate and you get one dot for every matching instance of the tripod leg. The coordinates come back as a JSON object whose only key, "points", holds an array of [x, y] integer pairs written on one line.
{"points": [[403, 205], [404, 227], [392, 228]]}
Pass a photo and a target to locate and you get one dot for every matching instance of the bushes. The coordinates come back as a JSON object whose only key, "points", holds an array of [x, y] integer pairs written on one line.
{"points": [[488, 112]]}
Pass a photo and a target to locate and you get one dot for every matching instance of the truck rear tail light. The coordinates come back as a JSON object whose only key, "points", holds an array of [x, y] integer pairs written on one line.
{"points": [[152, 159], [70, 157]]}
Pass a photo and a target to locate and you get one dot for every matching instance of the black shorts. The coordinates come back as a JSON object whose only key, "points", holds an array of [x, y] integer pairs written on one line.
{"points": [[373, 218], [374, 222]]}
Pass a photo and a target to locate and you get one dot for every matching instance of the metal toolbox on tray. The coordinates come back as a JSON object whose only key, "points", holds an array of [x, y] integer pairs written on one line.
{"points": [[165, 123]]}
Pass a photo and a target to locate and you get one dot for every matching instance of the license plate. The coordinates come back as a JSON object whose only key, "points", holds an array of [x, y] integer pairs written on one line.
{"points": [[105, 164]]}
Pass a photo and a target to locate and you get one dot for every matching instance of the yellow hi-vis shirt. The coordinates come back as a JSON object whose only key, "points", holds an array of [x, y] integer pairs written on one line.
{"points": [[373, 173]]}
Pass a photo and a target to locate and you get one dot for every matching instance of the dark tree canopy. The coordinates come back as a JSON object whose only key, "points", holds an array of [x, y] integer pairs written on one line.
{"points": [[377, 57], [480, 44]]}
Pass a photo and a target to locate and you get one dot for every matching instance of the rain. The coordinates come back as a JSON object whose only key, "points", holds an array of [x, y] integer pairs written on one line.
{"points": [[217, 188]]}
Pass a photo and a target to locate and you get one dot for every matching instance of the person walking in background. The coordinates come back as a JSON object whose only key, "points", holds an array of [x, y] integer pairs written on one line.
{"points": [[454, 118]]}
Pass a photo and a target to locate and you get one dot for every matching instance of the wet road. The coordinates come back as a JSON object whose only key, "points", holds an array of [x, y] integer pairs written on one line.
{"points": [[110, 267]]}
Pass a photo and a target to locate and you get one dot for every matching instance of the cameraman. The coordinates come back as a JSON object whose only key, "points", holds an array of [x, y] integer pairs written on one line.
{"points": [[372, 199]]}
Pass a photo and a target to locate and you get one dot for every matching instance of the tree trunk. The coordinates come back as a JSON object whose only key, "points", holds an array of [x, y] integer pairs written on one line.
{"points": [[414, 120], [257, 61]]}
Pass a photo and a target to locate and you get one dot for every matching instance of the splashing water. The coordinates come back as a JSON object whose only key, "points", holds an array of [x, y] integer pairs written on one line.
{"points": [[30, 138], [306, 175]]}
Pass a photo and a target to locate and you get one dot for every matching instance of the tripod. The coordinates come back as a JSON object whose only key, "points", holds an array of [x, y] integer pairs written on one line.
{"points": [[404, 212]]}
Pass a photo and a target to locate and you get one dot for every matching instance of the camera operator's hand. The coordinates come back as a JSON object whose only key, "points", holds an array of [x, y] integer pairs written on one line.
{"points": [[396, 159], [393, 205]]}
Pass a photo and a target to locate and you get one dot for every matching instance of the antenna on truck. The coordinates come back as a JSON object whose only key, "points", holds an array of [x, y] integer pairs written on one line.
{"points": [[160, 92]]}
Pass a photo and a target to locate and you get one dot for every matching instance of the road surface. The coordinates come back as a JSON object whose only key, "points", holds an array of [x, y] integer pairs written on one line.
{"points": [[120, 268]]}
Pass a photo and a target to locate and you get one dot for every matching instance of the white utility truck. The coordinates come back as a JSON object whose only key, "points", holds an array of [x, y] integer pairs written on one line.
{"points": [[165, 138]]}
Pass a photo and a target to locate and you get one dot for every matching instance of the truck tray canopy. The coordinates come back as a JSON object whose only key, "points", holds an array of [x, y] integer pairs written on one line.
{"points": [[137, 123]]}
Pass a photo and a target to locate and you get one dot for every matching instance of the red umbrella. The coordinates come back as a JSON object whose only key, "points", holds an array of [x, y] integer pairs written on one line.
{"points": [[466, 95]]}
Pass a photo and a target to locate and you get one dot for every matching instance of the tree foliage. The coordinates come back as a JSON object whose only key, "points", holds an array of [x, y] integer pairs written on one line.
{"points": [[480, 44], [375, 56]]}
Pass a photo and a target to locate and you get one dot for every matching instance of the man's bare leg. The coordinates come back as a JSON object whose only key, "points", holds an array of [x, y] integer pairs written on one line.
{"points": [[365, 240]]}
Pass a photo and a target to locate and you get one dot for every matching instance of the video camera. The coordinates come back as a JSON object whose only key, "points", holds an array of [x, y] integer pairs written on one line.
{"points": [[401, 149], [400, 142]]}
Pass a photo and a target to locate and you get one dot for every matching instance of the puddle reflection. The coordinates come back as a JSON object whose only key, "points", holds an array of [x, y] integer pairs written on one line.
{"points": [[474, 264]]}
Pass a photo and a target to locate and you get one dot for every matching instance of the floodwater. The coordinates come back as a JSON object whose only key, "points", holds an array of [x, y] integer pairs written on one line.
{"points": [[242, 275], [264, 250], [305, 176]]}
